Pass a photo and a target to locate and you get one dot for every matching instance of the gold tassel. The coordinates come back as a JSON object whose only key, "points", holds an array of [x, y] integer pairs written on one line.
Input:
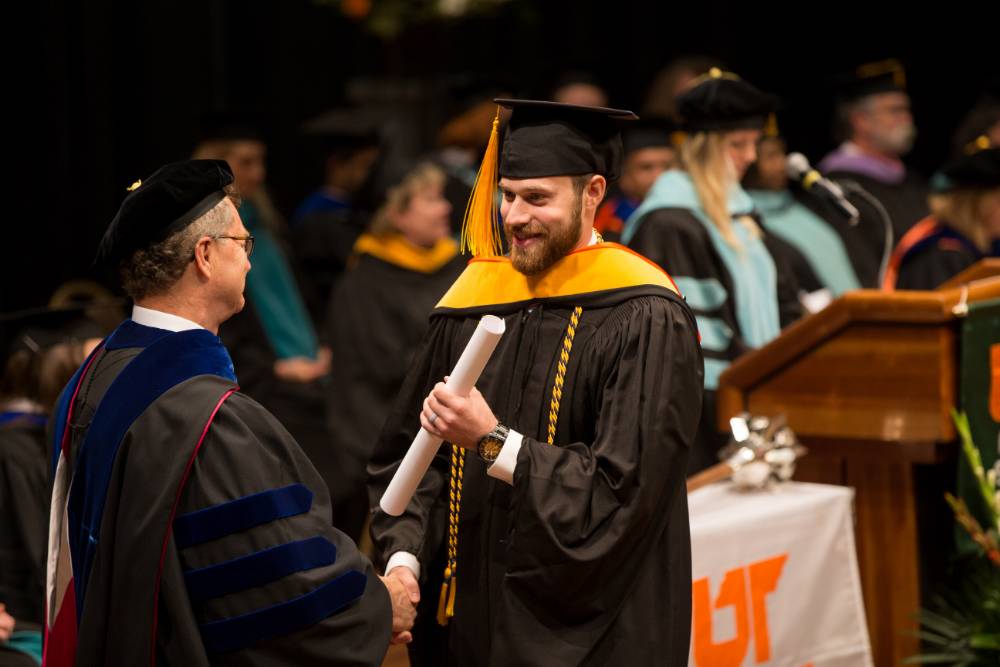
{"points": [[480, 226], [771, 128], [442, 617], [453, 586]]}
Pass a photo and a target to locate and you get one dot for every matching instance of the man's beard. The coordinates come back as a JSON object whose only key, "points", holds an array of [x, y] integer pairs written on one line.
{"points": [[898, 141], [554, 243]]}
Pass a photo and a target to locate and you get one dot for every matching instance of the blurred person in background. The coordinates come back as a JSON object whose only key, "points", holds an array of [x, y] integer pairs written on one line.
{"points": [[343, 148], [819, 236], [963, 227], [273, 341], [875, 126], [649, 151], [378, 315]]}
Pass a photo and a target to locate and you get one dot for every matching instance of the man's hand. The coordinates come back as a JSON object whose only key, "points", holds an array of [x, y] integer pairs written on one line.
{"points": [[6, 624], [303, 369], [405, 594], [462, 421]]}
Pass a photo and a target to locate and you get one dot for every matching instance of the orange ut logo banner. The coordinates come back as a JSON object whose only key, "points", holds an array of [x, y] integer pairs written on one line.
{"points": [[775, 580], [744, 590]]}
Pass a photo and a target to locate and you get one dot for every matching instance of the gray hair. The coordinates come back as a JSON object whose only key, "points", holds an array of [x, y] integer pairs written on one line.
{"points": [[843, 130], [154, 270]]}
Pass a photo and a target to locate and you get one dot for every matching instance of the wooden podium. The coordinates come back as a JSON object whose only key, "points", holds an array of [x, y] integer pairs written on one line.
{"points": [[868, 385]]}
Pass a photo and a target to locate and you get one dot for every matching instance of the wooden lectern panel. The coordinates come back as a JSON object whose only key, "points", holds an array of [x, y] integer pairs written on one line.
{"points": [[868, 384], [835, 391]]}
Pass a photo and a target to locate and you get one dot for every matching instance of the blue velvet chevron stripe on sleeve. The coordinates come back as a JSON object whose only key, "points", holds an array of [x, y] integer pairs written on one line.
{"points": [[241, 514]]}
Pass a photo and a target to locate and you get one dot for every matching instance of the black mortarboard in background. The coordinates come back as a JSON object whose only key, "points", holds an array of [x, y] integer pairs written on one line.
{"points": [[979, 170], [648, 133], [721, 101], [884, 76], [344, 130], [38, 329]]}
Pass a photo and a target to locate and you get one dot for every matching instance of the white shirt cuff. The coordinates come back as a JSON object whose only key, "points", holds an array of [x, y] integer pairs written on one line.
{"points": [[503, 467], [405, 559]]}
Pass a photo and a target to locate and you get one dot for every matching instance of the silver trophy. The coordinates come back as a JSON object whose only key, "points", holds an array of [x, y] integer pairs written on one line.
{"points": [[761, 452]]}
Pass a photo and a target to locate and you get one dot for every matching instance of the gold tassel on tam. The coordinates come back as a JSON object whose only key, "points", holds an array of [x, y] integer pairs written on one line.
{"points": [[771, 127], [481, 226]]}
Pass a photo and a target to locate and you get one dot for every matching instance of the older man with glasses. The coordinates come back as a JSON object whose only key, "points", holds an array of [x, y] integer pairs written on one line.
{"points": [[186, 523]]}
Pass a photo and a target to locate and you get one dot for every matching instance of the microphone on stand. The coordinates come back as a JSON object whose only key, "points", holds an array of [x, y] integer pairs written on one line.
{"points": [[799, 170]]}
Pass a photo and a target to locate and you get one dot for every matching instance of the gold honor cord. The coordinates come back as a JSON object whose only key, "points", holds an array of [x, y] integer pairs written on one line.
{"points": [[557, 386]]}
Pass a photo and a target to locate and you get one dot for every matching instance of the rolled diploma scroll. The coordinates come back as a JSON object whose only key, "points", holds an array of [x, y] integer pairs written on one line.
{"points": [[423, 448]]}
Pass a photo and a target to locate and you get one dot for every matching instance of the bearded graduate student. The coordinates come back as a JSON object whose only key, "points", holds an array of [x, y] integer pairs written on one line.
{"points": [[559, 510]]}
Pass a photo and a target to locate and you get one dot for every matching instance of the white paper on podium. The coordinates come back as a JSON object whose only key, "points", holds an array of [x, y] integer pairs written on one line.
{"points": [[423, 448]]}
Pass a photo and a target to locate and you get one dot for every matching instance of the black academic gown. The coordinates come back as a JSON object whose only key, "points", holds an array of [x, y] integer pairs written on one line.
{"points": [[585, 560], [377, 318], [676, 240], [322, 242], [214, 545], [930, 254], [24, 516]]}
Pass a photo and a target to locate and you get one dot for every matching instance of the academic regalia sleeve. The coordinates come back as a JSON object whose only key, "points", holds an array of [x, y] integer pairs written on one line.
{"points": [[418, 530], [584, 513], [269, 579]]}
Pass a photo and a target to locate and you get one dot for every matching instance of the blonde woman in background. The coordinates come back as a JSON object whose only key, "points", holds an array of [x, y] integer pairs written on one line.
{"points": [[701, 227]]}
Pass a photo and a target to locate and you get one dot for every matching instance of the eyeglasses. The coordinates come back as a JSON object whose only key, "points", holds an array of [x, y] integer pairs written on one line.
{"points": [[247, 242]]}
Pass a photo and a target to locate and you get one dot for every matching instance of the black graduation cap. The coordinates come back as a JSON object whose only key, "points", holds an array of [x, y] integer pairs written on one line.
{"points": [[648, 133], [166, 202], [720, 101], [884, 76], [38, 329], [346, 129], [977, 171], [552, 139]]}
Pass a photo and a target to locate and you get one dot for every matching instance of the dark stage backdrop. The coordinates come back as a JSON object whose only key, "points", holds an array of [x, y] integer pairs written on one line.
{"points": [[104, 92]]}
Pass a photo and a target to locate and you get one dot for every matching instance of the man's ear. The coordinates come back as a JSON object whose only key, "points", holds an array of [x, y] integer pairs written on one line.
{"points": [[204, 256], [593, 194]]}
